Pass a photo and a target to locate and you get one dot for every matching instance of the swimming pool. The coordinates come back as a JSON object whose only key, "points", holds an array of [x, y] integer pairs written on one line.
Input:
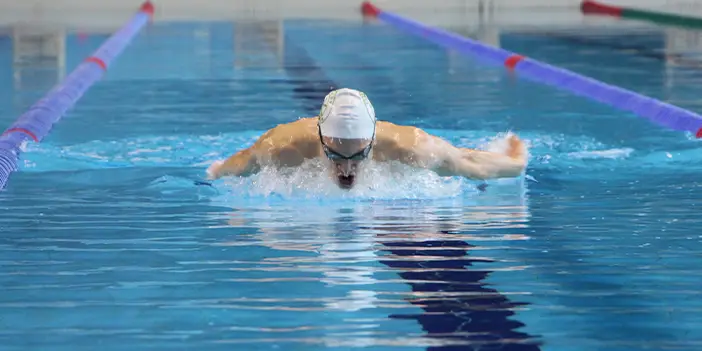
{"points": [[107, 240]]}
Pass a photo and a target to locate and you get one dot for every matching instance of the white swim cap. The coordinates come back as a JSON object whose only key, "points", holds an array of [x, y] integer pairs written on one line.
{"points": [[347, 114]]}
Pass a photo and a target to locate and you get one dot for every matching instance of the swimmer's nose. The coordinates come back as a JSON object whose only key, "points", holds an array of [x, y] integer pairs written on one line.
{"points": [[346, 168]]}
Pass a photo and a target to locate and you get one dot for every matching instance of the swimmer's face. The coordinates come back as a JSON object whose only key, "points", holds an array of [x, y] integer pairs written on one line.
{"points": [[346, 156]]}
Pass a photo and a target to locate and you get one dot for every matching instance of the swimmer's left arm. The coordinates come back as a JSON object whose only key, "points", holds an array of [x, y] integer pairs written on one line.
{"points": [[483, 165]]}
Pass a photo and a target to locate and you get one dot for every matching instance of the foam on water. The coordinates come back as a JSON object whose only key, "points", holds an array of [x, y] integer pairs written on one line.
{"points": [[609, 153], [375, 181]]}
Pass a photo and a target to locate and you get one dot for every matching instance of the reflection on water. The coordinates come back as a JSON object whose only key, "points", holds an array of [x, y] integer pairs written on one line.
{"points": [[424, 261]]}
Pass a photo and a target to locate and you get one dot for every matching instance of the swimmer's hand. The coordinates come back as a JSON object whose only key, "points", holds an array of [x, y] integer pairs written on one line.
{"points": [[214, 170], [516, 150]]}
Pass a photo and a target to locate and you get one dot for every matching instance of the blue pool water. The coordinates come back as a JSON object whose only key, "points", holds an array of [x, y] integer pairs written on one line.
{"points": [[106, 239]]}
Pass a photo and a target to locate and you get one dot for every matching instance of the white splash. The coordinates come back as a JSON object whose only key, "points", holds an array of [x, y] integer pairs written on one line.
{"points": [[610, 154], [374, 181]]}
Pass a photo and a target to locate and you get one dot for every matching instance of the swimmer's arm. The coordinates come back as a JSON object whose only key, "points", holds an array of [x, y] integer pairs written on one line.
{"points": [[268, 149], [243, 163], [483, 165]]}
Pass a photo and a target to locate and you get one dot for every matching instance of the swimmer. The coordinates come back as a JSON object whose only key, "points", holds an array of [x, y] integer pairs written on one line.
{"points": [[347, 134]]}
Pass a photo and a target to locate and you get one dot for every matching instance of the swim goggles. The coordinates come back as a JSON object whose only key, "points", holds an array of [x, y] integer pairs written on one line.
{"points": [[335, 156]]}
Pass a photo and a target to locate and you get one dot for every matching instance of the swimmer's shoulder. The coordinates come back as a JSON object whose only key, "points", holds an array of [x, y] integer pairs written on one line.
{"points": [[396, 142], [293, 139], [398, 135], [291, 132]]}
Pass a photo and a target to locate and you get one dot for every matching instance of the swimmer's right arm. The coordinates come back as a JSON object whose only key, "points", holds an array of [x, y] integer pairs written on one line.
{"points": [[270, 148], [243, 163]]}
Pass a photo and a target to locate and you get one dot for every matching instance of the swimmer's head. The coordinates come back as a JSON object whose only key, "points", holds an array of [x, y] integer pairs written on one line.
{"points": [[346, 131], [346, 157]]}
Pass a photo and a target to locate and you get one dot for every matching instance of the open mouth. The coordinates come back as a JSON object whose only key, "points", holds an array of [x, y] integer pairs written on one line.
{"points": [[346, 182]]}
